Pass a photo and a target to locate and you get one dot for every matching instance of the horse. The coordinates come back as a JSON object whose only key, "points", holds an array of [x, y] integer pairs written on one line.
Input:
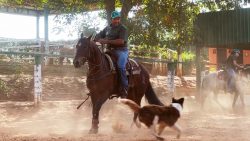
{"points": [[217, 81], [102, 82]]}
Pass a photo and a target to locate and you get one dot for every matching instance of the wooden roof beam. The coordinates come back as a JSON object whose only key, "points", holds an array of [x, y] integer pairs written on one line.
{"points": [[21, 11]]}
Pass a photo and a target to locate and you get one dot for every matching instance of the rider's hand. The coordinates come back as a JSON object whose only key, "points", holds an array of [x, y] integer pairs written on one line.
{"points": [[98, 43], [103, 41]]}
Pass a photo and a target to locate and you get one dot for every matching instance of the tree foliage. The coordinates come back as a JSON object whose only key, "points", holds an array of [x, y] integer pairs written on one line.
{"points": [[153, 22], [62, 6], [163, 21]]}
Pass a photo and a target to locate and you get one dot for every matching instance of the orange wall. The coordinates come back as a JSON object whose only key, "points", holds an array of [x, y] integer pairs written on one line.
{"points": [[229, 52], [212, 53], [246, 57]]}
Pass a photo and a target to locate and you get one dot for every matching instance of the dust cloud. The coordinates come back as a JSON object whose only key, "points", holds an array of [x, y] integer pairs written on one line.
{"points": [[61, 121]]}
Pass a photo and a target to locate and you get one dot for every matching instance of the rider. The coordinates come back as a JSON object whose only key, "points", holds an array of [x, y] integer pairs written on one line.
{"points": [[231, 67], [115, 36]]}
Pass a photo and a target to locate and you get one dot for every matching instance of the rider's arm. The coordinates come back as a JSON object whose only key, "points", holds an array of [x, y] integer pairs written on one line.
{"points": [[122, 39], [237, 65], [112, 42]]}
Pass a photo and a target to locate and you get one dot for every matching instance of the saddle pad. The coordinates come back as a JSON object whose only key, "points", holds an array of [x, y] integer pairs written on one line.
{"points": [[131, 65]]}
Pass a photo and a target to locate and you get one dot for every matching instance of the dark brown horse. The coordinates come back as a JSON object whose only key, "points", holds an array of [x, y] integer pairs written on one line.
{"points": [[102, 82]]}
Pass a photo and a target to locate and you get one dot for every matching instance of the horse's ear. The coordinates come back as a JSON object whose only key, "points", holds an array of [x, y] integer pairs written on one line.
{"points": [[89, 37], [81, 35], [93, 37]]}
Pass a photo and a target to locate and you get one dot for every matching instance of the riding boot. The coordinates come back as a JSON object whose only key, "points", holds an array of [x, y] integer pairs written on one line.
{"points": [[123, 83]]}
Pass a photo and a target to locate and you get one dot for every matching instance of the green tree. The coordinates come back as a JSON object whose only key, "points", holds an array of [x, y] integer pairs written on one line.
{"points": [[166, 23]]}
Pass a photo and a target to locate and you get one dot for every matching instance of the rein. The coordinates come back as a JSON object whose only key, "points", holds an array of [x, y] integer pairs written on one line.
{"points": [[94, 66], [82, 102]]}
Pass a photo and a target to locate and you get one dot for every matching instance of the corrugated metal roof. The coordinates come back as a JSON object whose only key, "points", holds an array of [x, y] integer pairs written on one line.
{"points": [[224, 28]]}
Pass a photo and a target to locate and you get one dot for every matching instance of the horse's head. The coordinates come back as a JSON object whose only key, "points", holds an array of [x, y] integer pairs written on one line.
{"points": [[245, 72], [83, 50]]}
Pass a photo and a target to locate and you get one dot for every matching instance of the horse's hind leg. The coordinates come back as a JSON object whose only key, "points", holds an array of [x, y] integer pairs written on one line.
{"points": [[202, 98], [216, 93], [242, 99], [241, 94], [97, 104], [136, 96], [236, 95]]}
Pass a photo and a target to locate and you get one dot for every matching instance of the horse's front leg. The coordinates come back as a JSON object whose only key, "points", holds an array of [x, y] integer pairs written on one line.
{"points": [[96, 106]]}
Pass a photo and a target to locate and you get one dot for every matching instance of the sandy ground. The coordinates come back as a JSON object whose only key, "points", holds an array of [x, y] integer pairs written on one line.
{"points": [[61, 121]]}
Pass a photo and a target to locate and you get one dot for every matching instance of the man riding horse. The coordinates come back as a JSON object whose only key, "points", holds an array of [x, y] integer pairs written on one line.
{"points": [[231, 67], [115, 36]]}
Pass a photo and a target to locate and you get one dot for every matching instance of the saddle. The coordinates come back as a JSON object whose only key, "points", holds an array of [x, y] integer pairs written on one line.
{"points": [[132, 67], [221, 75]]}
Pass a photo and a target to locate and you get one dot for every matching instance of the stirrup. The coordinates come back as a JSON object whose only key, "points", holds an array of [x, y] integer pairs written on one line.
{"points": [[123, 93]]}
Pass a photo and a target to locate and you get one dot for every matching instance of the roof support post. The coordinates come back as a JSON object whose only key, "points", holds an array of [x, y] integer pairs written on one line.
{"points": [[170, 78], [46, 29], [37, 80], [198, 69], [38, 28]]}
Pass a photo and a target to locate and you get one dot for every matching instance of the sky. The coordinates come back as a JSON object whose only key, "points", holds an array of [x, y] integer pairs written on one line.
{"points": [[24, 27], [14, 26]]}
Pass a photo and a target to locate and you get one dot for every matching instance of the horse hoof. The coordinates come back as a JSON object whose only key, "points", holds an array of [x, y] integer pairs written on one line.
{"points": [[160, 138], [138, 124], [178, 136], [233, 106], [93, 131]]}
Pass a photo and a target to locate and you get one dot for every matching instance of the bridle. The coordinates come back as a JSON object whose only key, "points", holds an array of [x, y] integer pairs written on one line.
{"points": [[91, 74], [86, 58]]}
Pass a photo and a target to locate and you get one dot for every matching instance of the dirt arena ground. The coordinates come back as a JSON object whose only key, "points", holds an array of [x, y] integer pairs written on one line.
{"points": [[61, 121]]}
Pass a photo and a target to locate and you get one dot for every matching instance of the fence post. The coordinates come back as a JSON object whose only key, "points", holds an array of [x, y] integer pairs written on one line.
{"points": [[170, 78], [37, 79]]}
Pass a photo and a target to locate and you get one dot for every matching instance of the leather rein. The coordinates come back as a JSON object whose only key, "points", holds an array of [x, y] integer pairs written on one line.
{"points": [[92, 65]]}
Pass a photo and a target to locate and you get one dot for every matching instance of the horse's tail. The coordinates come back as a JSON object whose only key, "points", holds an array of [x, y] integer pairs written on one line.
{"points": [[149, 93], [132, 105], [151, 96]]}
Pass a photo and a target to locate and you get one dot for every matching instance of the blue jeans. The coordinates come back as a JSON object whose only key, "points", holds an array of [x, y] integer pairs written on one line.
{"points": [[121, 64], [231, 85]]}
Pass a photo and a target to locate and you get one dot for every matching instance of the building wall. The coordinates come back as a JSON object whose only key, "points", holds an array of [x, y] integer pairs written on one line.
{"points": [[228, 52], [212, 53], [246, 57]]}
